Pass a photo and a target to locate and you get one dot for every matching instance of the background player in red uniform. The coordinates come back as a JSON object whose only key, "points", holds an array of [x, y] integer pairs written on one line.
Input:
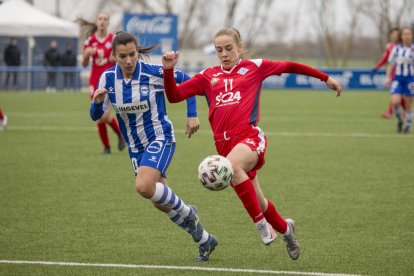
{"points": [[233, 91], [394, 37], [98, 48], [3, 120]]}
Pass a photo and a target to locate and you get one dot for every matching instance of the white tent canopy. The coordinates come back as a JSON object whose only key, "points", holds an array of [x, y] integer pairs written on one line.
{"points": [[18, 18]]}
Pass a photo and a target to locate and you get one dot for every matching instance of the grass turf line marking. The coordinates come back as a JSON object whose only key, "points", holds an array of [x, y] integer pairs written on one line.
{"points": [[268, 133], [194, 268]]}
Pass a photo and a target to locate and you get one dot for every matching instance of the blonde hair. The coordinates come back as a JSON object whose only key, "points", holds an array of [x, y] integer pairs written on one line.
{"points": [[233, 32]]}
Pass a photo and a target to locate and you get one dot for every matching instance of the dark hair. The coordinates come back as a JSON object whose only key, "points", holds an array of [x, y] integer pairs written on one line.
{"points": [[394, 29], [237, 38], [124, 38], [89, 28]]}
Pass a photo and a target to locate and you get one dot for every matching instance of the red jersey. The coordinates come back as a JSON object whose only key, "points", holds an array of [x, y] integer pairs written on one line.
{"points": [[233, 96], [100, 58], [385, 55]]}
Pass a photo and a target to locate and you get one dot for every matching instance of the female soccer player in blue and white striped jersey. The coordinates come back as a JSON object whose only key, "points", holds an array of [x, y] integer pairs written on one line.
{"points": [[136, 91], [402, 56]]}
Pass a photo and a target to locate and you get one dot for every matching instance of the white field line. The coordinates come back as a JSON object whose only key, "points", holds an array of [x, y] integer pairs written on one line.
{"points": [[268, 133], [166, 267]]}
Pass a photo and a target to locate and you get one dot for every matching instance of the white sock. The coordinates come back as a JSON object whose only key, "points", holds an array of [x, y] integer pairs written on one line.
{"points": [[204, 238], [166, 197], [287, 231]]}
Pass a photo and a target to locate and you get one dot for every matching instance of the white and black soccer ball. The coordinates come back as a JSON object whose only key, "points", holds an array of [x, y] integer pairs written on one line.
{"points": [[215, 172]]}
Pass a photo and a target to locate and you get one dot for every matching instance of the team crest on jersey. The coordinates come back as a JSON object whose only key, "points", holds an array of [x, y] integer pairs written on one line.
{"points": [[242, 71], [108, 45], [111, 90], [144, 90], [213, 81]]}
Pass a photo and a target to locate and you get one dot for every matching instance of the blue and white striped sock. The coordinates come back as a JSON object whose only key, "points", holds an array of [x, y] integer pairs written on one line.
{"points": [[408, 119], [166, 197], [398, 113], [177, 219]]}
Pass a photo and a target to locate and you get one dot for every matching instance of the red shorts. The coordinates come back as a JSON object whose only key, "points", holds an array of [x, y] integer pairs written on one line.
{"points": [[251, 136]]}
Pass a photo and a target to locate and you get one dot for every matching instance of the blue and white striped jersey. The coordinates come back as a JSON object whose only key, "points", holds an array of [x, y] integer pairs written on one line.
{"points": [[403, 58], [139, 104]]}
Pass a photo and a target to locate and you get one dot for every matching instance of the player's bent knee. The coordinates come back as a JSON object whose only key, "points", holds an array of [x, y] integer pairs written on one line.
{"points": [[144, 188], [239, 175]]}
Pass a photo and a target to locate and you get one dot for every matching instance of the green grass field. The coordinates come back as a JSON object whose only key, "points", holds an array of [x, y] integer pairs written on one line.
{"points": [[333, 165]]}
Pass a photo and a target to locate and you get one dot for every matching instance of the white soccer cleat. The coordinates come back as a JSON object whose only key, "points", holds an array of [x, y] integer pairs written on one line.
{"points": [[267, 233], [292, 245]]}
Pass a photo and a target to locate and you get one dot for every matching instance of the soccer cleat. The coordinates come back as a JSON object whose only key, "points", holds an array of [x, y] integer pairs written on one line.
{"points": [[399, 126], [406, 130], [121, 143], [267, 233], [193, 224], [106, 151], [206, 248], [386, 115], [292, 244]]}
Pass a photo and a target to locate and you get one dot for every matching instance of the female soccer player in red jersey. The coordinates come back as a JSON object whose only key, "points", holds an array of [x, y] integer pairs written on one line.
{"points": [[3, 120], [98, 48], [233, 91], [394, 38]]}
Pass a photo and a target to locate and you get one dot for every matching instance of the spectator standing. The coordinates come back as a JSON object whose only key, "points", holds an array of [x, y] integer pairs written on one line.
{"points": [[12, 58], [51, 61], [68, 59]]}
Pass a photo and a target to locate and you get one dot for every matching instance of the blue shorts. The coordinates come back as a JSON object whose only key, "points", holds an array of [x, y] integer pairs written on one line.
{"points": [[158, 155], [403, 86]]}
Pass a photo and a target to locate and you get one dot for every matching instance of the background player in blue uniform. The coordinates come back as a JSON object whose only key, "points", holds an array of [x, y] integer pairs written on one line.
{"points": [[402, 56], [136, 91]]}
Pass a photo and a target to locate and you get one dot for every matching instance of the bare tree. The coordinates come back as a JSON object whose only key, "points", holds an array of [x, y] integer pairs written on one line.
{"points": [[196, 18], [354, 7], [386, 14], [231, 11]]}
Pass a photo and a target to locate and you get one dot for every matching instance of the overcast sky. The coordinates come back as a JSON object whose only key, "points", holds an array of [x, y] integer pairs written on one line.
{"points": [[296, 16]]}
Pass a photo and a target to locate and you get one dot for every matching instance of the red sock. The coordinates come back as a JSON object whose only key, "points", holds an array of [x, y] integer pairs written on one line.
{"points": [[390, 108], [115, 127], [403, 103], [245, 191], [274, 218], [1, 114], [103, 134]]}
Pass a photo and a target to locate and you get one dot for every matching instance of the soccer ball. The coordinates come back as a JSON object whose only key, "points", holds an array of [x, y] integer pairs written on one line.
{"points": [[215, 172]]}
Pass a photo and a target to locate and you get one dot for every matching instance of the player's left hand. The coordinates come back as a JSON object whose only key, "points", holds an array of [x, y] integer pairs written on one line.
{"points": [[193, 124], [334, 85]]}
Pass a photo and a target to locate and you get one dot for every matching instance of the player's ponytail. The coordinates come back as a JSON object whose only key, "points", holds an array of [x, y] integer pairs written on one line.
{"points": [[233, 32], [88, 27], [123, 38]]}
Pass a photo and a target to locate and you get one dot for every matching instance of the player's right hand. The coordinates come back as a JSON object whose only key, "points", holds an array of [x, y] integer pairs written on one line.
{"points": [[334, 85], [99, 95], [169, 59], [387, 82], [89, 51]]}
